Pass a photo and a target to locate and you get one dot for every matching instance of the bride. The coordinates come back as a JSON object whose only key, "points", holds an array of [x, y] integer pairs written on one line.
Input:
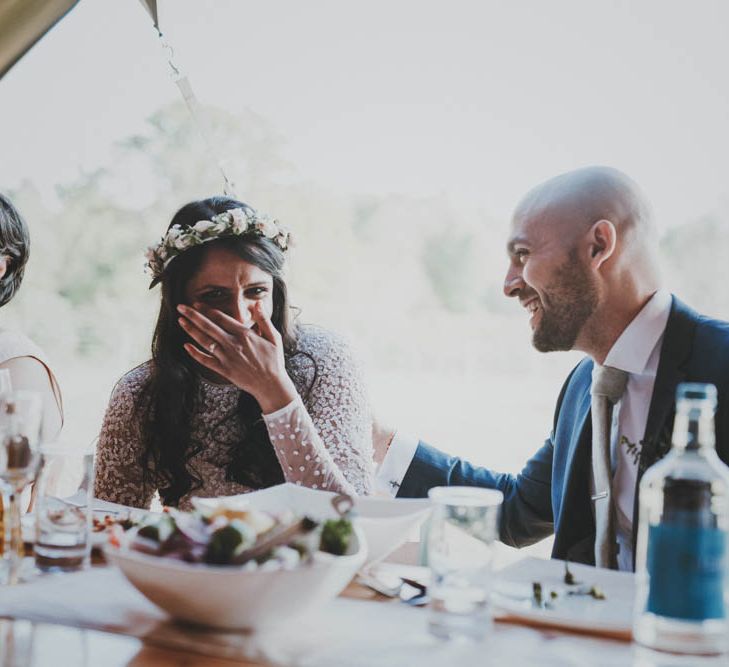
{"points": [[237, 396]]}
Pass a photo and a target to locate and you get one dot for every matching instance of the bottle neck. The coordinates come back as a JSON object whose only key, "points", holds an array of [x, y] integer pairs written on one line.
{"points": [[693, 428]]}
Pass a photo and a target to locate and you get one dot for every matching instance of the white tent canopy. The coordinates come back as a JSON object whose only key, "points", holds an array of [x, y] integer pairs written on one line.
{"points": [[23, 23]]}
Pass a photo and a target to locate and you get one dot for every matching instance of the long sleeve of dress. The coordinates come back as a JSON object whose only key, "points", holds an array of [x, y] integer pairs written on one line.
{"points": [[118, 466], [324, 439]]}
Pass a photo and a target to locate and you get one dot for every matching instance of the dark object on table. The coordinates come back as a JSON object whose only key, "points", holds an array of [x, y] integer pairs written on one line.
{"points": [[537, 593], [569, 578], [336, 536]]}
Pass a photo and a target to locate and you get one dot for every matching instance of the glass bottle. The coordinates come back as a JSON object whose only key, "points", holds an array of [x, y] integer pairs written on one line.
{"points": [[681, 555]]}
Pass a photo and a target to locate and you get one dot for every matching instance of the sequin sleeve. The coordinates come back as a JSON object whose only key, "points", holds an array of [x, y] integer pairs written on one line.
{"points": [[323, 439], [118, 452], [300, 451]]}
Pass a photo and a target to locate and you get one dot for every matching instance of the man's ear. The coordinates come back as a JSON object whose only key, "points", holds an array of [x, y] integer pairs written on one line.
{"points": [[603, 238], [3, 266]]}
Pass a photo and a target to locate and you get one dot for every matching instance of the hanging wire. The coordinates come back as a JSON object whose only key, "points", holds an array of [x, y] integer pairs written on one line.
{"points": [[196, 111], [174, 72]]}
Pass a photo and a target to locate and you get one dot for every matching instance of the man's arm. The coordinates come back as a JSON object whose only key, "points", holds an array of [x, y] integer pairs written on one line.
{"points": [[526, 515], [410, 470]]}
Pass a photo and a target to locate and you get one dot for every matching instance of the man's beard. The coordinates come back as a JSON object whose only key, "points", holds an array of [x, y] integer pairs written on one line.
{"points": [[566, 306]]}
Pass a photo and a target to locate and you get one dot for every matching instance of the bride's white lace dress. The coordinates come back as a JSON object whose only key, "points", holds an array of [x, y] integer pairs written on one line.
{"points": [[322, 440]]}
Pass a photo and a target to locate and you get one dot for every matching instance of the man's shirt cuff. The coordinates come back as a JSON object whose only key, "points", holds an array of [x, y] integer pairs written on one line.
{"points": [[395, 464]]}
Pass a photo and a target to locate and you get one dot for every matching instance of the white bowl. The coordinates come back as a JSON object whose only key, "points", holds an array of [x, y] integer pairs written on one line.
{"points": [[226, 597], [386, 522]]}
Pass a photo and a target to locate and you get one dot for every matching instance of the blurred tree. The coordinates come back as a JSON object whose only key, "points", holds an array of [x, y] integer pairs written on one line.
{"points": [[448, 258], [696, 266]]}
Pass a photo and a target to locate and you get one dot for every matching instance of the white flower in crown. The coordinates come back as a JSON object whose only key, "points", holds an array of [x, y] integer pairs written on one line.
{"points": [[204, 226], [221, 223], [235, 222], [182, 241], [238, 220], [282, 239], [267, 226], [164, 253]]}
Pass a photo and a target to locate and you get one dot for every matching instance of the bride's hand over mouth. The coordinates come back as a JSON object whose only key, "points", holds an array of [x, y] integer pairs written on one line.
{"points": [[250, 358]]}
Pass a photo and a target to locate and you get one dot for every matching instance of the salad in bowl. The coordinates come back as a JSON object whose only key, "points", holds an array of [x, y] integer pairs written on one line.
{"points": [[233, 567]]}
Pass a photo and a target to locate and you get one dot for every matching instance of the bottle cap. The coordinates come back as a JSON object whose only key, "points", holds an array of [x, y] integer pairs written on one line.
{"points": [[696, 391]]}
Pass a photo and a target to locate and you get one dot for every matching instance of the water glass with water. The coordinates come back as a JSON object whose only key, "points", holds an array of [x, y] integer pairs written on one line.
{"points": [[460, 551], [63, 512]]}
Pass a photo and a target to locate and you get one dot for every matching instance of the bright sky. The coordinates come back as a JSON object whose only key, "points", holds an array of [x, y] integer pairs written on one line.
{"points": [[478, 99]]}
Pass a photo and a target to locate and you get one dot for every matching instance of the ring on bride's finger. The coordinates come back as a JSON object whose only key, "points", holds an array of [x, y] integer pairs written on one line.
{"points": [[211, 348]]}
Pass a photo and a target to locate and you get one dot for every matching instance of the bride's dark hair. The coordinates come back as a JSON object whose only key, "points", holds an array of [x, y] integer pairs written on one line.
{"points": [[171, 394]]}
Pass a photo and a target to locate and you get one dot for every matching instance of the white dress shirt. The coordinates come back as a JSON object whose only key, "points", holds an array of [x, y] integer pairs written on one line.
{"points": [[636, 351]]}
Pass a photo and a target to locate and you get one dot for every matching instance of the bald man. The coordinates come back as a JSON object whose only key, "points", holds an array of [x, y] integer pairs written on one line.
{"points": [[582, 263]]}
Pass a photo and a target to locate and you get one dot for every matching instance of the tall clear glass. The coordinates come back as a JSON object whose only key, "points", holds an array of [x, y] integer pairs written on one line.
{"points": [[63, 512], [681, 557], [20, 424], [460, 552]]}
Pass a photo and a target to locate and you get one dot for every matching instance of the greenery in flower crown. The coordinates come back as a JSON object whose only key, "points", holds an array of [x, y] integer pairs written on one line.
{"points": [[234, 222]]}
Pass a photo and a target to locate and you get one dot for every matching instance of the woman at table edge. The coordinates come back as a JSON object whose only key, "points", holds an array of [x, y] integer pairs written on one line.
{"points": [[28, 366]]}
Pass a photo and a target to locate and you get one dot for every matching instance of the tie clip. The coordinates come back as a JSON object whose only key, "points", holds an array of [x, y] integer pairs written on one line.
{"points": [[598, 496]]}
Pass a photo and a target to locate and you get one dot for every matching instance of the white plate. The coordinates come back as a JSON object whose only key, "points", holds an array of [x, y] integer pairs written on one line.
{"points": [[513, 597], [386, 522], [101, 508]]}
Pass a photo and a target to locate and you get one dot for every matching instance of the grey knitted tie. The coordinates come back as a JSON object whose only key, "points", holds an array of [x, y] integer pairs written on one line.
{"points": [[608, 385]]}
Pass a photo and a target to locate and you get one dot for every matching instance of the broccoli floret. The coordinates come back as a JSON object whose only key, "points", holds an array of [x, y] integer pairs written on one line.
{"points": [[159, 530], [150, 532], [228, 541], [336, 536]]}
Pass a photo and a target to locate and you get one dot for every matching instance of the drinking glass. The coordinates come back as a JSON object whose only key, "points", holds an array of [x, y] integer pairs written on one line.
{"points": [[63, 512], [20, 424], [460, 549]]}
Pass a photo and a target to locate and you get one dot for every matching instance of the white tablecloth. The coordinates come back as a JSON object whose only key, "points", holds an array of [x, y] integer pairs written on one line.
{"points": [[344, 632]]}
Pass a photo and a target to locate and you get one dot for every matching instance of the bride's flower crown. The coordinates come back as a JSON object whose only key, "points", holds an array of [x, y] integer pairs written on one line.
{"points": [[234, 222]]}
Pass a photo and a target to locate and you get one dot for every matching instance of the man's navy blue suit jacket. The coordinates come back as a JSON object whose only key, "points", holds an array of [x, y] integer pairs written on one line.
{"points": [[552, 494]]}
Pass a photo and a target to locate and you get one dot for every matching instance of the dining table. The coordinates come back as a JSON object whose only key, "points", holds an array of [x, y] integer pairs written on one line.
{"points": [[360, 628], [45, 644]]}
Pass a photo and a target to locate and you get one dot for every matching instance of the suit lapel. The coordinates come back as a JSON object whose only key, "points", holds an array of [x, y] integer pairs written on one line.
{"points": [[675, 353], [580, 452], [576, 533]]}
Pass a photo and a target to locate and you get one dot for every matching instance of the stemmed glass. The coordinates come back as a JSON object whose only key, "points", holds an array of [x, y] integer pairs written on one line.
{"points": [[20, 424]]}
